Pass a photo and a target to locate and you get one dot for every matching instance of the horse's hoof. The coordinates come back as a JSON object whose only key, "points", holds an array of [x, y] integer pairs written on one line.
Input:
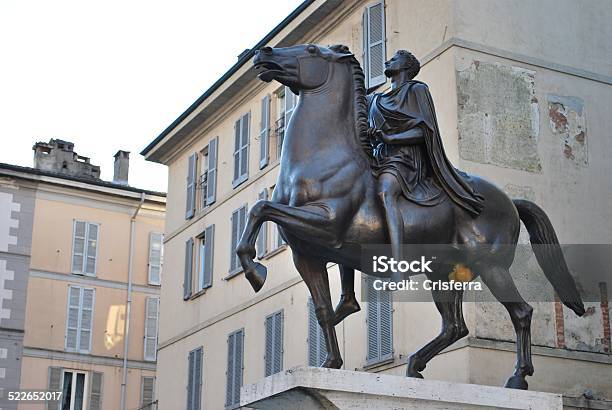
{"points": [[414, 374], [347, 306], [256, 276], [516, 382], [331, 363]]}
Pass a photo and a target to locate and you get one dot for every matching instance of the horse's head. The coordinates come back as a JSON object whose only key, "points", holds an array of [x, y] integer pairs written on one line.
{"points": [[301, 67]]}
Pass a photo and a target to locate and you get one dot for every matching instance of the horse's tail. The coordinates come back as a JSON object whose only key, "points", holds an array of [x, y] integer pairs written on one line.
{"points": [[548, 253]]}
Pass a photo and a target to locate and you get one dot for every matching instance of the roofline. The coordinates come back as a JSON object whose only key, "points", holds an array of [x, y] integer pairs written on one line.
{"points": [[246, 57], [90, 181]]}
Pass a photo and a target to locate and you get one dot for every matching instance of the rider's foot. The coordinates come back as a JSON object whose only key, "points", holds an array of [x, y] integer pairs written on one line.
{"points": [[348, 305]]}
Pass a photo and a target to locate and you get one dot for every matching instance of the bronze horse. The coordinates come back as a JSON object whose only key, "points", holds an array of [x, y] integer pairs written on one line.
{"points": [[326, 207]]}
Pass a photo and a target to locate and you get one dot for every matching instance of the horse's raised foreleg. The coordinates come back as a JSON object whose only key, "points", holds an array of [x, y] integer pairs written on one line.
{"points": [[315, 221], [314, 273], [449, 304], [501, 285]]}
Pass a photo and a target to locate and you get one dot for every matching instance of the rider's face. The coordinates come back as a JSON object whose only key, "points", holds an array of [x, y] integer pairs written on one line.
{"points": [[394, 65]]}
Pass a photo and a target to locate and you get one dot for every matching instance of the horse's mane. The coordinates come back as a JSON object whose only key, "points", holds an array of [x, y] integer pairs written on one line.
{"points": [[361, 106]]}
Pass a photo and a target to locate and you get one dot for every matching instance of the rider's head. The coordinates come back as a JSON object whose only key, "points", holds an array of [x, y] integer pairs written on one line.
{"points": [[402, 60]]}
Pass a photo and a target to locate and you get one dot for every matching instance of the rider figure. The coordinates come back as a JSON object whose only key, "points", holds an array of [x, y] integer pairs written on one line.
{"points": [[409, 159]]}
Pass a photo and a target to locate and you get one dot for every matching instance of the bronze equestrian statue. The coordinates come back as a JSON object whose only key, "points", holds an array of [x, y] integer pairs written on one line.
{"points": [[327, 200]]}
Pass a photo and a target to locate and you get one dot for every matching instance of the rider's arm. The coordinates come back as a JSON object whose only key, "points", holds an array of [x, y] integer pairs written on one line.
{"points": [[411, 137]]}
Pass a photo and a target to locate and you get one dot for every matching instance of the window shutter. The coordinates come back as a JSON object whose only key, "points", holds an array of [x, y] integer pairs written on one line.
{"points": [[147, 394], [188, 269], [211, 193], [87, 305], [372, 325], [237, 150], [156, 252], [95, 391], [197, 379], [209, 238], [192, 166], [290, 100], [72, 320], [262, 238], [234, 241], [238, 365], [244, 155], [375, 52], [190, 379], [78, 246], [277, 364], [317, 351], [385, 309], [229, 390], [54, 383], [269, 355], [151, 320], [379, 325], [92, 249], [264, 134]]}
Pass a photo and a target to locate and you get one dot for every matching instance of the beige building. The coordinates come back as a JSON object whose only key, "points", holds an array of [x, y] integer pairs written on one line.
{"points": [[522, 91], [90, 269]]}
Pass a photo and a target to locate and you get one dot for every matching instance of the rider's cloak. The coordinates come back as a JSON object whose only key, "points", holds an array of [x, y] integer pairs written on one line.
{"points": [[420, 169]]}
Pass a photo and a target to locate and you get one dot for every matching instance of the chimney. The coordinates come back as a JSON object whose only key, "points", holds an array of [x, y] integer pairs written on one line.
{"points": [[122, 165]]}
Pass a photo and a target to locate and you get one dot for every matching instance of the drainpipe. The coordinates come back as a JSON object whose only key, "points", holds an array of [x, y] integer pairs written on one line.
{"points": [[128, 302]]}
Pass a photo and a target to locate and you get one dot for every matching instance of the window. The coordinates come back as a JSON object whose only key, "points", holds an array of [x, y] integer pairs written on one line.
{"points": [[147, 393], [241, 149], [77, 387], [235, 354], [84, 248], [274, 343], [374, 47], [192, 167], [205, 258], [208, 173], [194, 379], [238, 224], [317, 351], [156, 257], [79, 319], [286, 104], [264, 132], [379, 319], [151, 323], [188, 269]]}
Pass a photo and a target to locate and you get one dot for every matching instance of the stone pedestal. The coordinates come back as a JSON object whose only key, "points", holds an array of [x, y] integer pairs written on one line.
{"points": [[308, 388]]}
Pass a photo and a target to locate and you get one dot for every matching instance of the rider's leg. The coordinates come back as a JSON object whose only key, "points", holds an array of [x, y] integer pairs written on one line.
{"points": [[389, 191]]}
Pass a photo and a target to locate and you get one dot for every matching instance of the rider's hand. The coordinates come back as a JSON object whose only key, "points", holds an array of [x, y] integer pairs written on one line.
{"points": [[375, 134]]}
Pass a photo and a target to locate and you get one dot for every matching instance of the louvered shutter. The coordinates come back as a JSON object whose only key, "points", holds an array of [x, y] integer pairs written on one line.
{"points": [[372, 324], [385, 309], [237, 151], [192, 166], [277, 348], [317, 351], [95, 391], [86, 323], [209, 244], [156, 251], [78, 246], [190, 379], [269, 355], [290, 102], [375, 50], [211, 179], [264, 134], [54, 383], [262, 238], [197, 379], [188, 269], [151, 320], [72, 321], [234, 240], [229, 390], [238, 365], [244, 155], [147, 394], [91, 249]]}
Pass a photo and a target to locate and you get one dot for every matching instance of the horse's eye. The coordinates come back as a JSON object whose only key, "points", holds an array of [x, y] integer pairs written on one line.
{"points": [[311, 49]]}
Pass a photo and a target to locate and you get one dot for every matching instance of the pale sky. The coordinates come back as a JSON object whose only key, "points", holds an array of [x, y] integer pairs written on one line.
{"points": [[110, 75]]}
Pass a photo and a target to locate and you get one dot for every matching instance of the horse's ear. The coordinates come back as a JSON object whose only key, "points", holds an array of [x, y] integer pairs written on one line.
{"points": [[340, 51]]}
